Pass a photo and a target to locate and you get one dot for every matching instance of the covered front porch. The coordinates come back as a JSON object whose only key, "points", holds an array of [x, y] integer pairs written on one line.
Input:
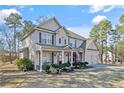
{"points": [[58, 56]]}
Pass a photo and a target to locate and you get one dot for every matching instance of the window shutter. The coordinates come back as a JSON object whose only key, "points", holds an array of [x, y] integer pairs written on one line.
{"points": [[52, 39], [39, 37], [59, 40]]}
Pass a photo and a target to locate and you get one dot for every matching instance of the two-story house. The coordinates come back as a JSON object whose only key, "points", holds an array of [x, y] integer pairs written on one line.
{"points": [[51, 42]]}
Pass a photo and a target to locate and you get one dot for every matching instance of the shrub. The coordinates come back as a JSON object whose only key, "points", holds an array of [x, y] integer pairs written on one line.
{"points": [[77, 64], [55, 65], [52, 70], [15, 61], [65, 65], [85, 63], [46, 67], [1, 62], [22, 63]]}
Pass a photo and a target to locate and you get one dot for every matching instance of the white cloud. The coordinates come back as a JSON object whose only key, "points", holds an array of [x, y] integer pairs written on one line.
{"points": [[81, 30], [96, 8], [104, 8], [98, 19], [109, 8], [31, 9], [4, 13]]}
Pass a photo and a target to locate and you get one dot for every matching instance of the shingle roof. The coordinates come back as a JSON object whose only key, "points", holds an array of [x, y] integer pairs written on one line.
{"points": [[70, 33], [74, 35]]}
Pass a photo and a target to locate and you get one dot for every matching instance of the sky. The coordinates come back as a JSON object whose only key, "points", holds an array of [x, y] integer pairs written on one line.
{"points": [[79, 19]]}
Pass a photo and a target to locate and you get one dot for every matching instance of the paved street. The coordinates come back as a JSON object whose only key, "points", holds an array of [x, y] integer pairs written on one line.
{"points": [[99, 76]]}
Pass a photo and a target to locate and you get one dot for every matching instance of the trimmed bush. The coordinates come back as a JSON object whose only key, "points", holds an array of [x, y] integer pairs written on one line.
{"points": [[85, 64], [78, 64], [49, 67], [24, 63], [55, 65], [65, 65], [46, 67], [53, 70]]}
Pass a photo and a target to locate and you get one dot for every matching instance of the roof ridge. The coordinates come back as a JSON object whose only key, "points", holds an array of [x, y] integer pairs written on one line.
{"points": [[52, 18]]}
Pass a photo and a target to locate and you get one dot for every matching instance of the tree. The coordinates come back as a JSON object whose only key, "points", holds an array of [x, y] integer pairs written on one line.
{"points": [[27, 27], [122, 19], [14, 22], [7, 38], [18, 35], [120, 50], [99, 34], [120, 44], [120, 27], [113, 41]]}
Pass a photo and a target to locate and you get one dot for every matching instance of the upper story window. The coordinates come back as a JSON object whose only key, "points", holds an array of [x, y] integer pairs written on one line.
{"points": [[46, 38], [72, 42], [59, 40]]}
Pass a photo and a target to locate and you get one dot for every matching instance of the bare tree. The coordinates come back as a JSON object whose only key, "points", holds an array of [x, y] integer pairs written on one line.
{"points": [[8, 40]]}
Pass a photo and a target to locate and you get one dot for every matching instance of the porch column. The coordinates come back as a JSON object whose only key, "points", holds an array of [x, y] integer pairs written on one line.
{"points": [[62, 56], [41, 53], [83, 56], [71, 58]]}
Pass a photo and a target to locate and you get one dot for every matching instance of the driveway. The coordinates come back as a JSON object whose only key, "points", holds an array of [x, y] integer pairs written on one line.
{"points": [[99, 76]]}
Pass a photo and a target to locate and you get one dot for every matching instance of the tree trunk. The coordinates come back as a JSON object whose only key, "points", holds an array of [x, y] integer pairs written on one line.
{"points": [[15, 41], [106, 51], [102, 54], [121, 59], [115, 54], [18, 47], [10, 54]]}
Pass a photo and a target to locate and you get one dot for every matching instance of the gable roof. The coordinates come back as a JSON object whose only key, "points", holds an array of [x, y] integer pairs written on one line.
{"points": [[49, 20], [63, 29], [74, 35], [88, 42], [67, 47], [40, 26]]}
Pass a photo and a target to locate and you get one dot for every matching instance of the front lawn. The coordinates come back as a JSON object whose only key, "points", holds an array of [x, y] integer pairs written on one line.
{"points": [[99, 76]]}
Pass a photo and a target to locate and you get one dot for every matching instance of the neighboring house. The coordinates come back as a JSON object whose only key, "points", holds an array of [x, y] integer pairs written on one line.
{"points": [[51, 42]]}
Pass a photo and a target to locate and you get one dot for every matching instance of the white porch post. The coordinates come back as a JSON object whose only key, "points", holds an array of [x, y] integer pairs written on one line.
{"points": [[41, 54], [71, 58], [62, 56], [83, 57]]}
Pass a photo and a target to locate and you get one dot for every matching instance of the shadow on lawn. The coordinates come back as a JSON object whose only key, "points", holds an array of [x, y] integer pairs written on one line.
{"points": [[100, 77]]}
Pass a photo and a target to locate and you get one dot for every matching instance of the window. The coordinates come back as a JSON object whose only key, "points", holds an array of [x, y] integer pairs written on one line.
{"points": [[59, 40], [46, 38], [72, 42]]}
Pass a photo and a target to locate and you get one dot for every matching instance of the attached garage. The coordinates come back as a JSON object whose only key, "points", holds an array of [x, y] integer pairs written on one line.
{"points": [[91, 53]]}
